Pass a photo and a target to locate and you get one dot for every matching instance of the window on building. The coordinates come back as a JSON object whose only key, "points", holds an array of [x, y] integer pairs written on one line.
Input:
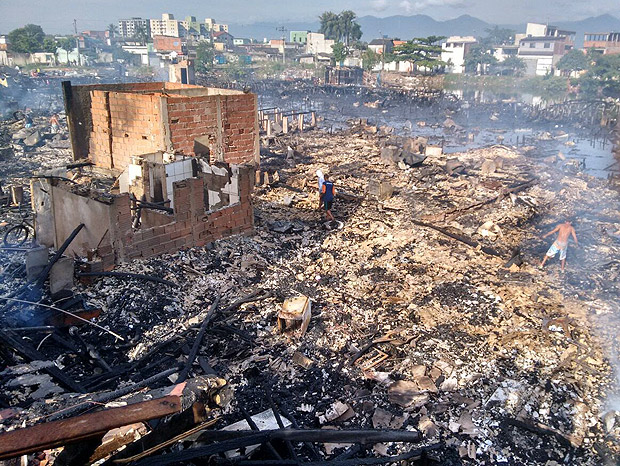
{"points": [[532, 45], [547, 45]]}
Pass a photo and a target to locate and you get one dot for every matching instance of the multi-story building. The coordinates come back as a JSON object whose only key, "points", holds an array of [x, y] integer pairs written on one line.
{"points": [[212, 26], [543, 46], [223, 41], [607, 43], [194, 28], [454, 50], [316, 44], [298, 37], [167, 26], [128, 27]]}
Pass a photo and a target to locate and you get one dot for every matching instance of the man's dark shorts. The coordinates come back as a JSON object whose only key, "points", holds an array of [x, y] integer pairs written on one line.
{"points": [[328, 205]]}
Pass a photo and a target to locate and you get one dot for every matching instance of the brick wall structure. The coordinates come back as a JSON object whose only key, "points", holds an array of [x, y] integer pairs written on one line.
{"points": [[109, 123], [109, 234]]}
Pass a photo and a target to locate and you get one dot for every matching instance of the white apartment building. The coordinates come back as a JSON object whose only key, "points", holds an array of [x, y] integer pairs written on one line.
{"points": [[454, 50]]}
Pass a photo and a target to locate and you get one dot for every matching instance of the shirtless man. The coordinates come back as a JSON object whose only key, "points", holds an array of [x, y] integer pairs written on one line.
{"points": [[561, 243]]}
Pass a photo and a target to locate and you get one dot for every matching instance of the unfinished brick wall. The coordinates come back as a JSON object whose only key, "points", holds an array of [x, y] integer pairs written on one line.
{"points": [[124, 120], [191, 118], [124, 124]]}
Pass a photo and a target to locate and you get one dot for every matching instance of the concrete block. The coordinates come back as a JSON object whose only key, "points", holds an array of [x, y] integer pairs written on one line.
{"points": [[390, 154], [36, 260], [61, 275], [433, 151], [381, 189]]}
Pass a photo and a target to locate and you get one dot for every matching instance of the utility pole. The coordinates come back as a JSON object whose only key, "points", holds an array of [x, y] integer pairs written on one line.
{"points": [[77, 43], [284, 31]]}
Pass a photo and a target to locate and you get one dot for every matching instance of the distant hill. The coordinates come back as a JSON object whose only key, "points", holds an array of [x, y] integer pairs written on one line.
{"points": [[269, 30], [408, 27]]}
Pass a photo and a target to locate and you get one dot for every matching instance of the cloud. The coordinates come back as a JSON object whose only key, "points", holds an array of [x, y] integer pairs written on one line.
{"points": [[418, 5], [379, 5], [406, 5]]}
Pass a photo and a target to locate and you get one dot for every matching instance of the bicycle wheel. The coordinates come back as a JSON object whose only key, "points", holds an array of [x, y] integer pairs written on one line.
{"points": [[16, 236]]}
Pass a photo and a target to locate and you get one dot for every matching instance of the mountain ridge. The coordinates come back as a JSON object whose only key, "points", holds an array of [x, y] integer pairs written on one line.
{"points": [[408, 27]]}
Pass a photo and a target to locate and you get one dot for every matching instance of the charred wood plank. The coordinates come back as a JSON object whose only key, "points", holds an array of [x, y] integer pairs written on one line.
{"points": [[57, 433], [84, 405], [137, 276], [413, 455], [240, 439], [198, 341], [460, 238], [31, 354], [176, 425]]}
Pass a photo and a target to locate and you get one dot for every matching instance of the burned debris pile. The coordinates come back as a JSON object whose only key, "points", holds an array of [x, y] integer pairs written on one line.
{"points": [[417, 329]]}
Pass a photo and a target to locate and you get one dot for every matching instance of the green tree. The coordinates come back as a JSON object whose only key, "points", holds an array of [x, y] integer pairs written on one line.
{"points": [[340, 27], [204, 56], [479, 59], [140, 34], [421, 51], [498, 36], [369, 59], [603, 78], [574, 60], [112, 29], [50, 45], [340, 52], [67, 44], [512, 65], [28, 39]]}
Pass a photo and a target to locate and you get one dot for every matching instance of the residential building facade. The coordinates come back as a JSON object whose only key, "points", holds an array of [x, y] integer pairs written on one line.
{"points": [[316, 43], [212, 26], [167, 26], [543, 46], [299, 37], [223, 40], [607, 43], [381, 46], [454, 50], [128, 27]]}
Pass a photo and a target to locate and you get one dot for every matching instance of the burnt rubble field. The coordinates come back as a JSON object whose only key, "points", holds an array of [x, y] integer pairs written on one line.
{"points": [[430, 317]]}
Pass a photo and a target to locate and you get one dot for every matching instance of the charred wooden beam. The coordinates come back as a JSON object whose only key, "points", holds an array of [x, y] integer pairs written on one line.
{"points": [[198, 341], [172, 427], [10, 340], [240, 439], [460, 238], [136, 276], [84, 405], [58, 433]]}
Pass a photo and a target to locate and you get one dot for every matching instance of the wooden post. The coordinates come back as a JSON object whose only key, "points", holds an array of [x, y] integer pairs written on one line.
{"points": [[301, 123], [313, 119], [285, 124]]}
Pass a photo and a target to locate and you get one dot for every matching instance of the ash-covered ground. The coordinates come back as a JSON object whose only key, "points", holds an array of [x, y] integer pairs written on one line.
{"points": [[410, 328]]}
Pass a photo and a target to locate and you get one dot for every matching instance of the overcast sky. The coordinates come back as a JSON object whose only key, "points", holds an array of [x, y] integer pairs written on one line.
{"points": [[56, 16]]}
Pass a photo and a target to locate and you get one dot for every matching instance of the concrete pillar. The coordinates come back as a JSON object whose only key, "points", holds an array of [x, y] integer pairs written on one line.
{"points": [[285, 124], [313, 119], [61, 275], [36, 260], [301, 123]]}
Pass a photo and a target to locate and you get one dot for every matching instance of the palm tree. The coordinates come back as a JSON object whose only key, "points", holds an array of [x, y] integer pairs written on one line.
{"points": [[112, 29], [329, 25], [140, 34]]}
